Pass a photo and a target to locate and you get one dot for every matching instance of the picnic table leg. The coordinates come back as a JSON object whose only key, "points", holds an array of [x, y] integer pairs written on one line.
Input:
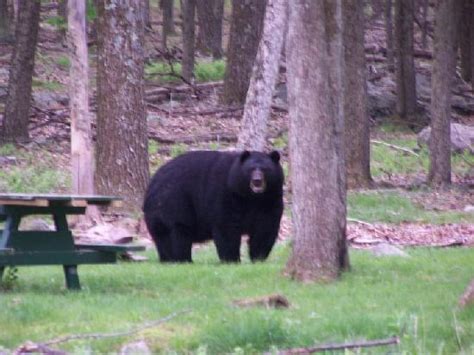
{"points": [[72, 278]]}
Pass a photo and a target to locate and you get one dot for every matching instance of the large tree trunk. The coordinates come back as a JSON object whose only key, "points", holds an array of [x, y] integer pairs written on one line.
{"points": [[465, 41], [404, 61], [253, 130], [17, 107], [210, 15], [82, 155], [444, 67], [245, 31], [315, 62], [188, 8], [355, 96], [389, 34], [122, 146]]}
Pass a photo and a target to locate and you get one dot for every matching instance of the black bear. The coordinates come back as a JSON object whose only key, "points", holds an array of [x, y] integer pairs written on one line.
{"points": [[205, 195]]}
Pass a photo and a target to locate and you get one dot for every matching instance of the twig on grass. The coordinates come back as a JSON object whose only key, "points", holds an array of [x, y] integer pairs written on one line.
{"points": [[396, 147], [112, 335], [334, 346]]}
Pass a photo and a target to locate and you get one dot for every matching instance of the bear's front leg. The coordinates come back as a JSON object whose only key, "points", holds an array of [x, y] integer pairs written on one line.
{"points": [[263, 236], [227, 242]]}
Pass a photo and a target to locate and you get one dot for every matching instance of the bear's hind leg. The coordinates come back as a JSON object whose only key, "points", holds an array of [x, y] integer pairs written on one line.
{"points": [[181, 238]]}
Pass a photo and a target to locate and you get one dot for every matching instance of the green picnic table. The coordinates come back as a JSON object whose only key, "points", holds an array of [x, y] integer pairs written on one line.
{"points": [[57, 247]]}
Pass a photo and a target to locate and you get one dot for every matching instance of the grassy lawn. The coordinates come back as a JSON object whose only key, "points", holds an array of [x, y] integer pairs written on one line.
{"points": [[414, 298]]}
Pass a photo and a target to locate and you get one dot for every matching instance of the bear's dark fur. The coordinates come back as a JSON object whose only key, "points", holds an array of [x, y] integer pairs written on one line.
{"points": [[205, 195]]}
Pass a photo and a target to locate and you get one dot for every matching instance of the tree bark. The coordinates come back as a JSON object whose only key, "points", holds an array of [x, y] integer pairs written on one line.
{"points": [[314, 63], [245, 31], [210, 15], [63, 13], [17, 107], [444, 66], [465, 41], [404, 61], [253, 130], [188, 8], [355, 97], [122, 146], [425, 21], [82, 155], [389, 34]]}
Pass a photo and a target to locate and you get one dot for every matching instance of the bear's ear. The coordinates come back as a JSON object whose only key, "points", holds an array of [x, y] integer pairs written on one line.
{"points": [[244, 155], [275, 156]]}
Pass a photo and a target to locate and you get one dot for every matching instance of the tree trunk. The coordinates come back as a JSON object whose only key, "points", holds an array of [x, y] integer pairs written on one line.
{"points": [[404, 61], [167, 8], [188, 8], [209, 39], [444, 66], [389, 34], [425, 21], [355, 97], [122, 146], [63, 13], [245, 31], [5, 34], [465, 41], [253, 130], [147, 13], [377, 8], [315, 62], [17, 106], [82, 155]]}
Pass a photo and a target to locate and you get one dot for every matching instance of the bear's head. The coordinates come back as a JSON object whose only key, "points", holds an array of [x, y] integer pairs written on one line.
{"points": [[256, 174]]}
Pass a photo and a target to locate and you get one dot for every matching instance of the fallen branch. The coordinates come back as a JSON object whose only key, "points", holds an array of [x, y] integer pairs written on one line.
{"points": [[112, 335], [334, 346], [360, 222], [406, 150]]}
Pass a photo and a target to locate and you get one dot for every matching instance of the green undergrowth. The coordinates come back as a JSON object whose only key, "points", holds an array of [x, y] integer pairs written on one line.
{"points": [[398, 207], [203, 71], [414, 298]]}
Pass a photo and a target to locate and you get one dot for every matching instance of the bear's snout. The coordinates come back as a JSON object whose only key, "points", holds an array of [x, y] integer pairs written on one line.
{"points": [[257, 181]]}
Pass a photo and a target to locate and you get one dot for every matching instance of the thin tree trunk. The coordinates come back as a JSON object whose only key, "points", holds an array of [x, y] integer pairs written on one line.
{"points": [[316, 140], [404, 60], [82, 155], [355, 97], [63, 13], [167, 9], [122, 146], [424, 14], [389, 34], [147, 13], [17, 107], [188, 8], [253, 130], [245, 32], [5, 33], [465, 41], [209, 39], [441, 83]]}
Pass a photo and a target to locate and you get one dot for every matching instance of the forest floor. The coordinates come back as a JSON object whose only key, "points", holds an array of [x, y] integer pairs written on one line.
{"points": [[400, 209]]}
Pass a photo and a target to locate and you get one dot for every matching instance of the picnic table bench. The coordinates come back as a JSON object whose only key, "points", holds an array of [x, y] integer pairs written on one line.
{"points": [[56, 247]]}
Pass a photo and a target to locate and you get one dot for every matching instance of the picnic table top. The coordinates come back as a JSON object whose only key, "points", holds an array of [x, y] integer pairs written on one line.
{"points": [[45, 200]]}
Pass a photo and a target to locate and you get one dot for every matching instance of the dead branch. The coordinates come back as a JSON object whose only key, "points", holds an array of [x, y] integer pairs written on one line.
{"points": [[367, 224], [334, 346], [405, 150], [113, 335], [468, 295], [270, 301], [222, 137]]}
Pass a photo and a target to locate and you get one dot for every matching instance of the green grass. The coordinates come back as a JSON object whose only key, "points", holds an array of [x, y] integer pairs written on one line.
{"points": [[386, 161], [394, 207], [48, 85], [63, 62], [203, 71], [414, 298]]}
